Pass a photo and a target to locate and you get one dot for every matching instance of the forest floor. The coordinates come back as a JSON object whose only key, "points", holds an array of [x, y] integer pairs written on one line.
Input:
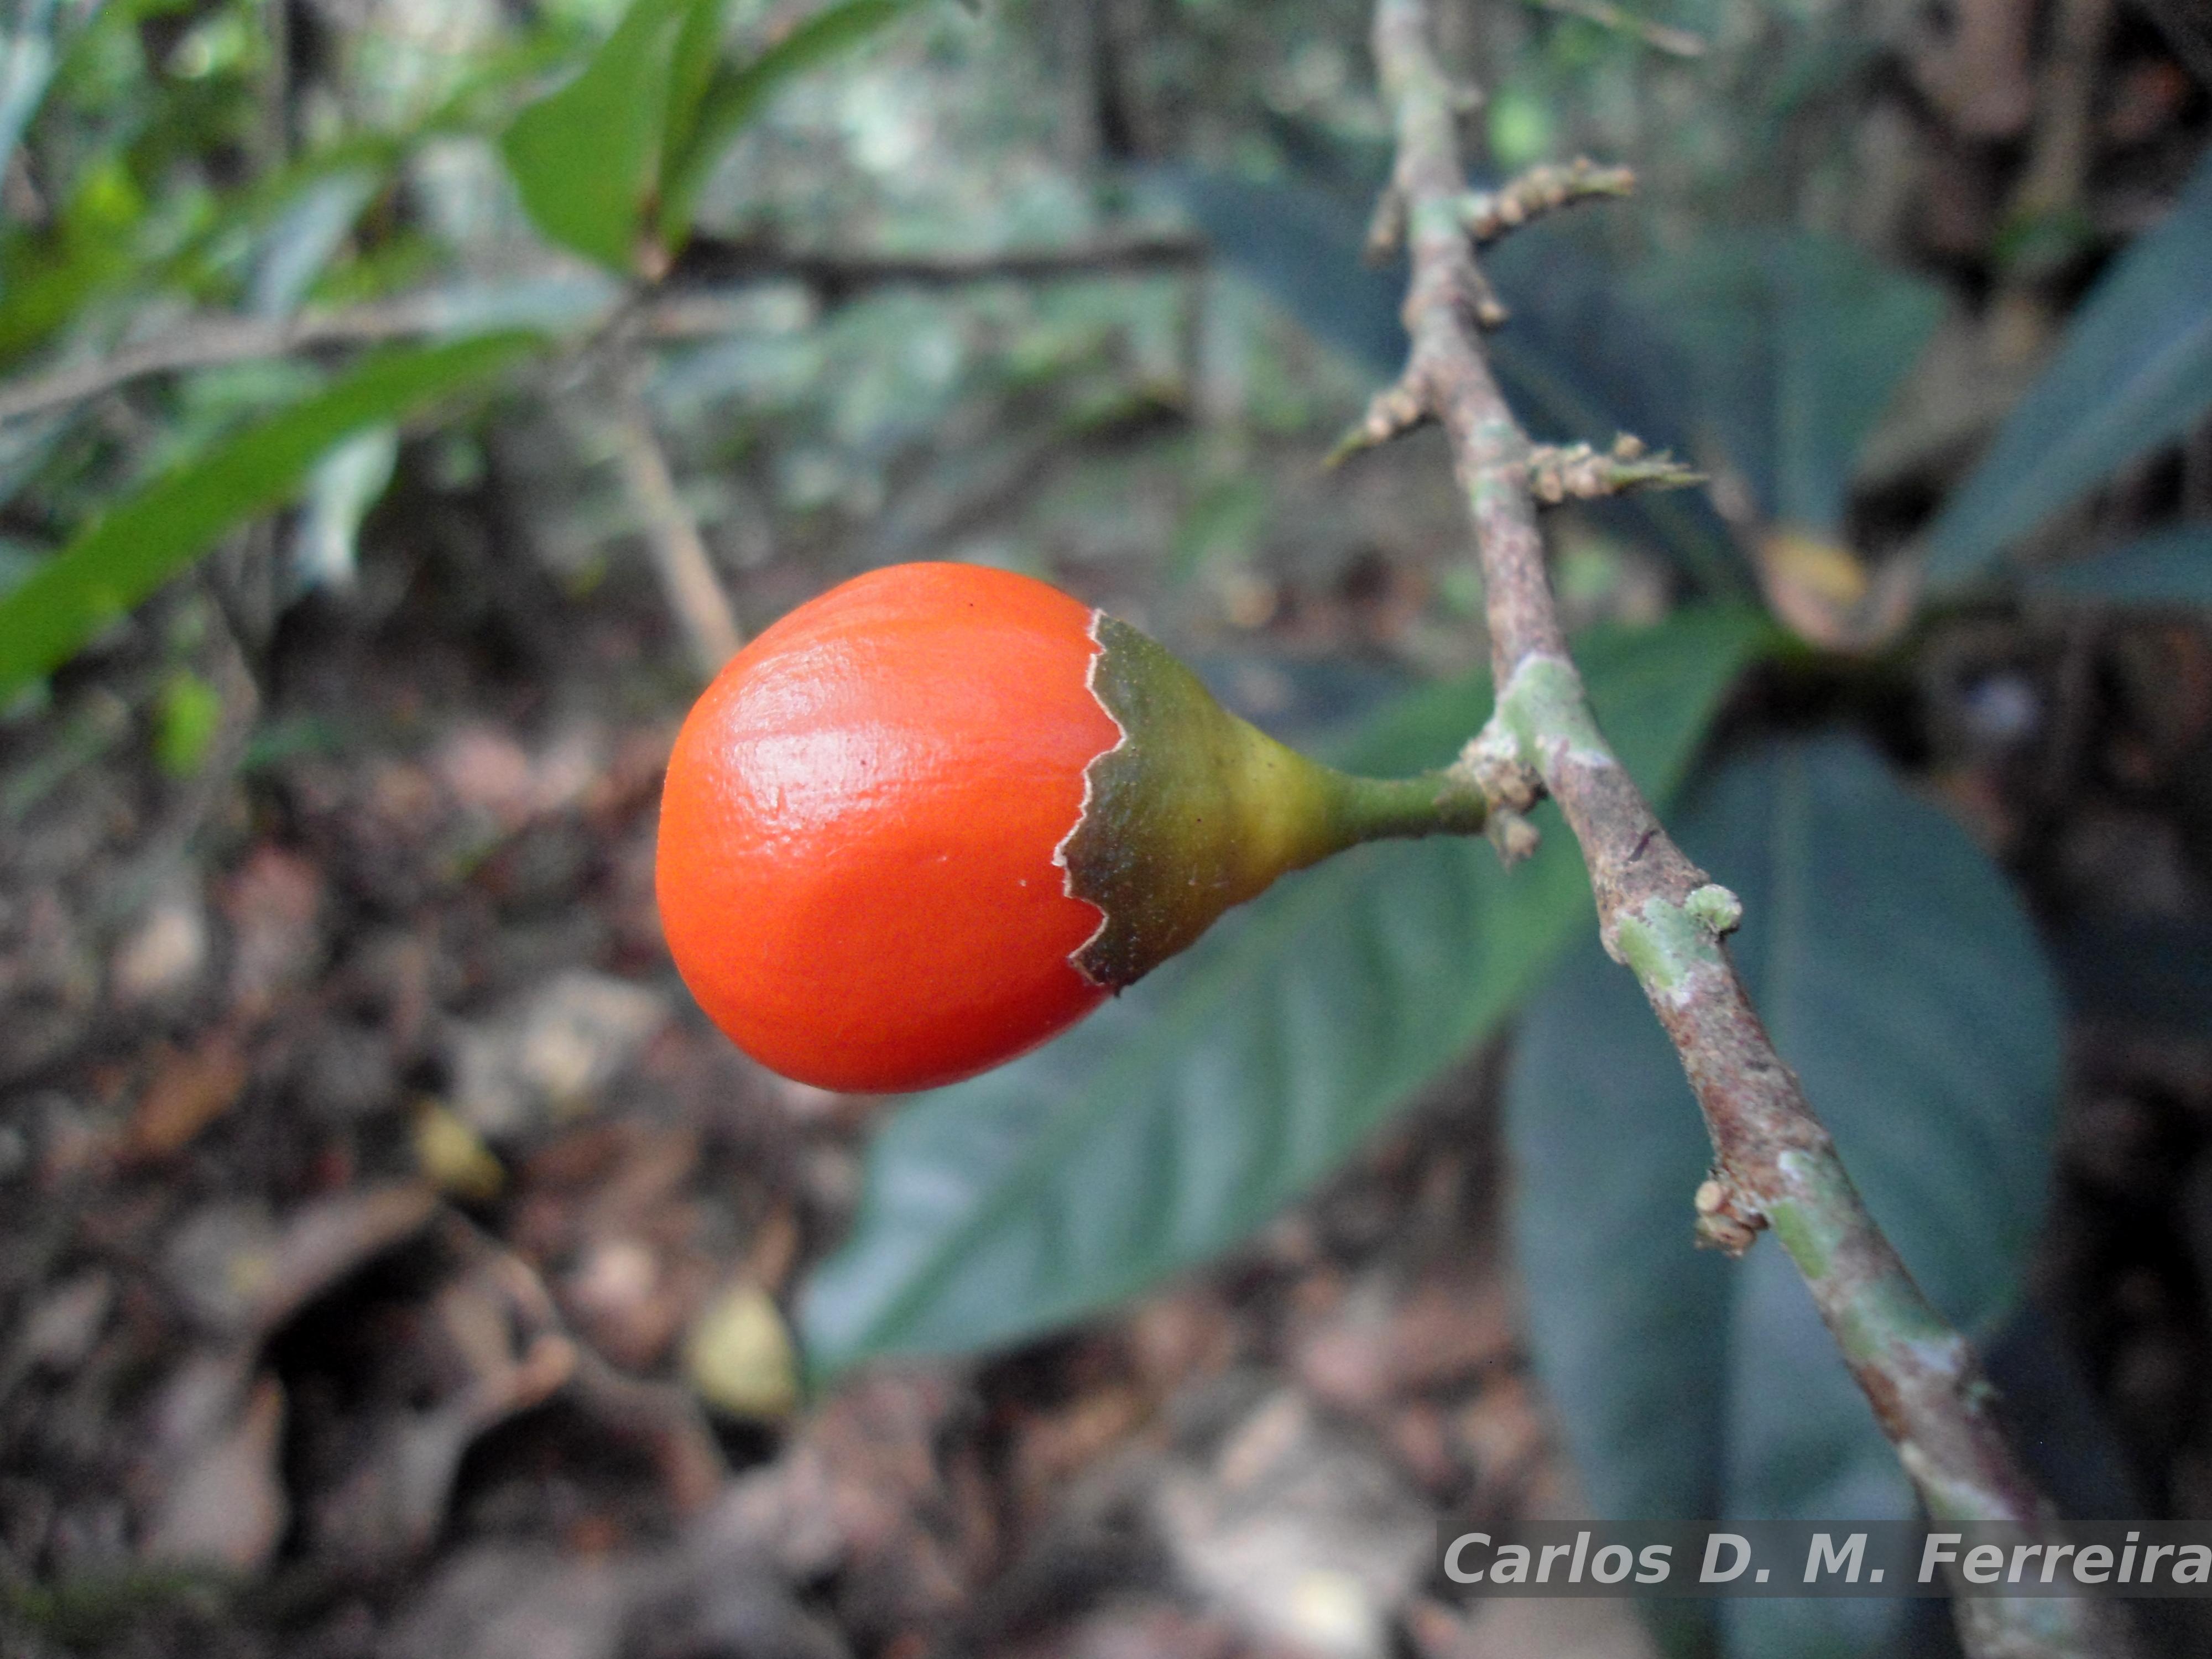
{"points": [[363, 1168]]}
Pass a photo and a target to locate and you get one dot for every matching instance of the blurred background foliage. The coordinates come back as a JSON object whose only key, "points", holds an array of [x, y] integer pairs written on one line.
{"points": [[315, 312]]}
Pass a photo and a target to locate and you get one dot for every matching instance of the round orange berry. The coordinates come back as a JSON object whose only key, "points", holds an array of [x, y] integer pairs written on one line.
{"points": [[858, 871]]}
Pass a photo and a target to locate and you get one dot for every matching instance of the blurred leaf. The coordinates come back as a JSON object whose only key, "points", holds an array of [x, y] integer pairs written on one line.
{"points": [[1522, 123], [1794, 345], [584, 158], [343, 487], [305, 235], [1579, 358], [739, 1357], [1582, 358], [692, 64], [719, 108], [1188, 1112], [2143, 970], [483, 103], [143, 540], [2167, 568], [2134, 372], [46, 275], [1303, 248], [27, 64], [624, 149], [1224, 521], [1899, 976], [186, 717]]}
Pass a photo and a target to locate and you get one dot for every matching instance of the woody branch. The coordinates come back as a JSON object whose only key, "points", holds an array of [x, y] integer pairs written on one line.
{"points": [[1775, 1165]]}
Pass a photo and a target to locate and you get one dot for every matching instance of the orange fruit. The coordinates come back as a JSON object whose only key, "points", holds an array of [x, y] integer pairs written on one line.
{"points": [[937, 815], [856, 870]]}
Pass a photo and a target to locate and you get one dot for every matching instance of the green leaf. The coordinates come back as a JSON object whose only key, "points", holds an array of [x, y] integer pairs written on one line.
{"points": [[695, 58], [718, 111], [1900, 978], [47, 274], [586, 157], [27, 65], [1576, 358], [1186, 1114], [341, 489], [187, 715], [1224, 521], [139, 543], [1794, 345], [623, 150], [2167, 568], [2134, 372]]}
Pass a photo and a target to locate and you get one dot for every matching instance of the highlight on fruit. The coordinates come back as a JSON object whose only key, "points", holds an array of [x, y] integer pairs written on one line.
{"points": [[937, 815]]}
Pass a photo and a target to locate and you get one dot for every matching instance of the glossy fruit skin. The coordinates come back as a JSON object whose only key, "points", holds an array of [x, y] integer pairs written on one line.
{"points": [[855, 870]]}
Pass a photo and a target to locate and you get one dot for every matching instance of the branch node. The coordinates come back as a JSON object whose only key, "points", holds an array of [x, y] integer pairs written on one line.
{"points": [[1725, 1221], [1513, 834], [1394, 411], [1716, 907], [1493, 760]]}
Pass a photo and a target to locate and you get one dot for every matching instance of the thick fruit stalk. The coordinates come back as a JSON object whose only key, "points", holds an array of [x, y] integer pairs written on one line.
{"points": [[1195, 811], [934, 816]]}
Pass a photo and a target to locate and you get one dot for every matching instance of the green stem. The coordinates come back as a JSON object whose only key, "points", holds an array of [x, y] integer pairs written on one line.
{"points": [[1399, 809]]}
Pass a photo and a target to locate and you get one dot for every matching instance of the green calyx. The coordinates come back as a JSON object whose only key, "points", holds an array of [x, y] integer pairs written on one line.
{"points": [[1194, 811]]}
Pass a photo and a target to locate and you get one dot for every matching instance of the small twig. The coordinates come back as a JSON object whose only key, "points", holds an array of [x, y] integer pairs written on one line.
{"points": [[697, 303], [2046, 204], [208, 342], [1487, 214], [1391, 413], [2065, 98], [1677, 43], [687, 575], [835, 275], [1659, 914], [1386, 227], [1559, 473]]}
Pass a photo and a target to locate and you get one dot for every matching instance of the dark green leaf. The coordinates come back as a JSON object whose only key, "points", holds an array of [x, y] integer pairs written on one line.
{"points": [[1794, 345], [1901, 980], [1577, 358], [2134, 372], [2170, 567], [141, 542], [584, 158], [1221, 1088], [719, 110]]}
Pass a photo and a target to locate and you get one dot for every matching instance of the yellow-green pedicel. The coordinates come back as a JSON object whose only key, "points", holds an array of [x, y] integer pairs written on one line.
{"points": [[1195, 811]]}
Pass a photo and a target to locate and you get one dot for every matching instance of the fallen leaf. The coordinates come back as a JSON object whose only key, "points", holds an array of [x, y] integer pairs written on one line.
{"points": [[189, 1090], [740, 1358], [162, 957], [1822, 592], [226, 1506], [549, 1056], [453, 1157], [273, 906]]}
